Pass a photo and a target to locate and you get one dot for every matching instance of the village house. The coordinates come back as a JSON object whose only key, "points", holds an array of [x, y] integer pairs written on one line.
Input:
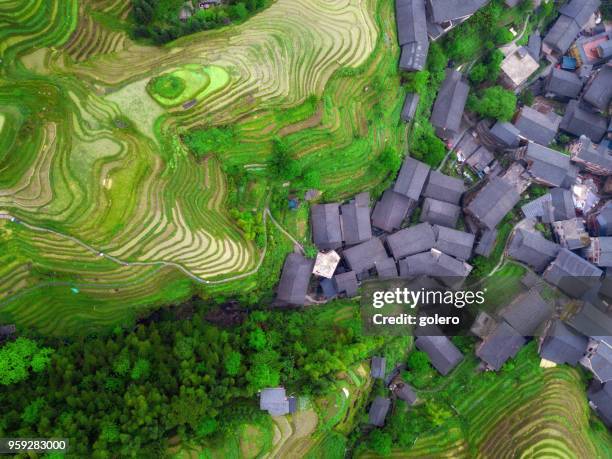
{"points": [[436, 264], [602, 223], [411, 240], [562, 85], [578, 121], [491, 204], [378, 411], [275, 401], [507, 134], [536, 126], [443, 354], [527, 313], [325, 264], [486, 243], [572, 274], [412, 34], [294, 281], [440, 213], [411, 178], [598, 92], [499, 346], [517, 67], [403, 391], [363, 257], [600, 398], [598, 359], [592, 49], [530, 247], [599, 251], [547, 166], [448, 108], [596, 161], [355, 220], [326, 231], [386, 269], [346, 283], [561, 345], [453, 242], [444, 188], [378, 367], [571, 233], [575, 16], [391, 210], [443, 15], [411, 102]]}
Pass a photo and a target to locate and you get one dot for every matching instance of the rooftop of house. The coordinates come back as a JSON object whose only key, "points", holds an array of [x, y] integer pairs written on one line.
{"points": [[449, 105], [562, 345], [599, 360], [519, 66], [411, 102], [486, 243], [386, 269], [580, 10], [480, 159], [591, 321], [378, 367], [507, 133], [326, 263], [434, 263], [449, 10], [601, 397], [411, 240], [532, 248], [534, 45], [537, 126], [603, 220], [599, 251], [453, 242], [326, 231], [378, 411], [493, 202], [574, 17], [562, 204], [548, 166], [355, 220], [412, 34], [586, 154], [527, 312], [500, 345], [391, 210], [444, 187], [578, 121], [440, 212], [564, 84], [411, 178], [275, 401], [346, 283], [294, 280], [571, 233], [405, 392], [363, 257], [572, 274], [443, 354]]}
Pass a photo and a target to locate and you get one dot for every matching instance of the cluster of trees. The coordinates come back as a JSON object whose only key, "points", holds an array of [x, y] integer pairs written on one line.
{"points": [[284, 167], [251, 223], [159, 20], [494, 102], [124, 394]]}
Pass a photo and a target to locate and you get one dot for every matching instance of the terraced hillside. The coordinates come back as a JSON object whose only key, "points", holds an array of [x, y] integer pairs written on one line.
{"points": [[102, 208]]}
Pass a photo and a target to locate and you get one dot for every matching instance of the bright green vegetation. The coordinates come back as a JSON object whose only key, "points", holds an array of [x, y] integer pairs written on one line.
{"points": [[18, 357], [494, 102], [521, 411], [187, 378], [88, 153]]}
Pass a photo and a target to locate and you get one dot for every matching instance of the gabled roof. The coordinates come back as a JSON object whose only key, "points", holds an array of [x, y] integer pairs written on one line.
{"points": [[603, 221], [527, 312], [549, 166], [326, 232], [563, 83], [346, 283], [493, 202], [562, 34], [412, 33], [572, 274], [443, 354], [440, 212], [411, 103], [355, 222], [411, 240], [536, 126], [448, 10], [378, 411], [506, 133], [539, 208], [592, 322], [578, 121], [601, 397], [405, 392], [600, 251], [386, 269], [502, 344], [534, 46], [454, 242], [595, 160], [391, 210], [562, 345], [435, 264], [364, 256], [294, 280], [444, 188], [480, 159], [449, 105], [580, 11], [599, 89], [378, 367], [562, 204], [275, 401], [531, 248], [411, 178], [600, 362], [486, 244]]}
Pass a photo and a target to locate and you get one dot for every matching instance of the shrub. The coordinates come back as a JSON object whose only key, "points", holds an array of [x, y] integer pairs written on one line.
{"points": [[495, 102]]}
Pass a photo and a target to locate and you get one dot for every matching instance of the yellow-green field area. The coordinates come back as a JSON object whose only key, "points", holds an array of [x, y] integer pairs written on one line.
{"points": [[104, 210]]}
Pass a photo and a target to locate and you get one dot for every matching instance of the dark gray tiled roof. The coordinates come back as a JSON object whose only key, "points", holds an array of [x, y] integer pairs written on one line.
{"points": [[527, 312], [602, 399], [411, 178], [440, 213], [378, 411], [467, 145], [486, 244], [294, 280], [572, 274], [355, 223], [539, 208], [539, 127], [549, 166], [502, 344], [506, 133], [414, 239], [592, 322], [600, 362], [448, 108], [405, 392], [443, 354], [275, 401], [563, 83], [444, 188], [578, 121], [454, 242], [531, 248], [580, 10], [386, 269], [435, 264], [447, 10], [326, 233], [596, 160], [346, 283], [493, 202], [391, 210], [412, 33], [378, 367], [411, 103], [562, 34], [599, 89], [562, 345], [603, 221], [364, 256], [562, 204], [534, 45]]}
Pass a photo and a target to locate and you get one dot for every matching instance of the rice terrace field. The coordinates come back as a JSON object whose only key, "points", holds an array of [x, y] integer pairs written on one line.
{"points": [[105, 209]]}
